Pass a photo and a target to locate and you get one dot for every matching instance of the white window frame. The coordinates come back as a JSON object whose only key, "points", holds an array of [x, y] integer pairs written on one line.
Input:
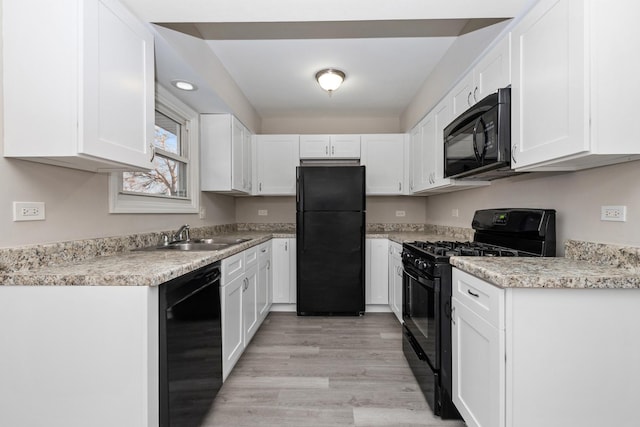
{"points": [[120, 202]]}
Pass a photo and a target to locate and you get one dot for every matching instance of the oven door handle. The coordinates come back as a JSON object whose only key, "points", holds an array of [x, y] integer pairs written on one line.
{"points": [[407, 273]]}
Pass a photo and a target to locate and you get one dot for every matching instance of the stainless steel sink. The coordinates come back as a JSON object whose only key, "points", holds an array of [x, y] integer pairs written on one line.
{"points": [[209, 244], [194, 246]]}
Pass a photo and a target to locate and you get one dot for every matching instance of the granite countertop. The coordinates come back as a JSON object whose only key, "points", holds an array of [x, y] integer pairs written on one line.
{"points": [[559, 272], [112, 262], [131, 267]]}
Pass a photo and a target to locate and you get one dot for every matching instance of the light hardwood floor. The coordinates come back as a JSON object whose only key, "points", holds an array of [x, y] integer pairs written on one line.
{"points": [[323, 371]]}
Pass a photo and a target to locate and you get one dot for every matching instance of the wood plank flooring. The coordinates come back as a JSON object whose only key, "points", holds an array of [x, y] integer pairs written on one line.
{"points": [[324, 371]]}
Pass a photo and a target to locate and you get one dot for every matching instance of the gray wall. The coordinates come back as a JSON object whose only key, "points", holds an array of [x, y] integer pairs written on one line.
{"points": [[576, 196], [283, 209]]}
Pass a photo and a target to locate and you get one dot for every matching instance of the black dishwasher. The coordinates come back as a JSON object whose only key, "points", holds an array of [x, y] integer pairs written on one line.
{"points": [[190, 345]]}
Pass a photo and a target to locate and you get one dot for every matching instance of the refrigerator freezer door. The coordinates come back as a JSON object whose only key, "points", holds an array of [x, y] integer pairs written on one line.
{"points": [[330, 263], [324, 188]]}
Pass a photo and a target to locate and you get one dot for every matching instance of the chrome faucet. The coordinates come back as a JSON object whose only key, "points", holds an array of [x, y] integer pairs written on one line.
{"points": [[182, 234]]}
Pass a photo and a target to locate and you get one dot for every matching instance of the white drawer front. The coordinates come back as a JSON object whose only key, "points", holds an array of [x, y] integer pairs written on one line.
{"points": [[232, 267], [251, 256], [484, 299], [264, 250]]}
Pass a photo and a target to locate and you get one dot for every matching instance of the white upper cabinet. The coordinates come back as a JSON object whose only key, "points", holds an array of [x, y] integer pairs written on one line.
{"points": [[81, 93], [427, 160], [491, 72], [276, 159], [571, 65], [384, 158], [225, 154], [330, 146]]}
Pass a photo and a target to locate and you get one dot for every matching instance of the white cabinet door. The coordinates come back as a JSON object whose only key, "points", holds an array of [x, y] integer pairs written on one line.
{"points": [[99, 113], [264, 279], [416, 158], [395, 279], [377, 271], [277, 158], [329, 146], [549, 84], [232, 326], [462, 95], [493, 71], [422, 159], [383, 156], [314, 146], [282, 271], [225, 154], [250, 318], [345, 146], [478, 351]]}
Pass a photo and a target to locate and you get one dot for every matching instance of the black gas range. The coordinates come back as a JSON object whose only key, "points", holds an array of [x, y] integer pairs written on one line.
{"points": [[426, 310]]}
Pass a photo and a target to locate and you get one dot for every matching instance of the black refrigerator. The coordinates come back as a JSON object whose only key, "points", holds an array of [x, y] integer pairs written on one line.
{"points": [[330, 236]]}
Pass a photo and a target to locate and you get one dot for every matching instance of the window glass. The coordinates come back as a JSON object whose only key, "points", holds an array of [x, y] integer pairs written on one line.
{"points": [[172, 186]]}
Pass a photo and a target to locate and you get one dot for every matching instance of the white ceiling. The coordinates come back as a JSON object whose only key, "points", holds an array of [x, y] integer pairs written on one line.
{"points": [[274, 62], [278, 76]]}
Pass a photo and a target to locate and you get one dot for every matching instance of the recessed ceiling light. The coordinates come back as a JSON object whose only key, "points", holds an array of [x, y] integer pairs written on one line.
{"points": [[184, 85]]}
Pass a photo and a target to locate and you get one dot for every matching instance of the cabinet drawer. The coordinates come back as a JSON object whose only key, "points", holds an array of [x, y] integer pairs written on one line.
{"points": [[251, 257], [482, 298], [264, 251], [232, 267], [395, 249]]}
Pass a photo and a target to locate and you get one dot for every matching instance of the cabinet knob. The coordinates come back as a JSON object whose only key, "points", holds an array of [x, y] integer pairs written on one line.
{"points": [[333, 150], [260, 186], [513, 153], [326, 150], [453, 314], [400, 186]]}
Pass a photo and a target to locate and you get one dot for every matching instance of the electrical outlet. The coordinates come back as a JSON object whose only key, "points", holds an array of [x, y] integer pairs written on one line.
{"points": [[28, 211], [263, 212], [202, 214], [613, 213], [401, 213], [455, 213]]}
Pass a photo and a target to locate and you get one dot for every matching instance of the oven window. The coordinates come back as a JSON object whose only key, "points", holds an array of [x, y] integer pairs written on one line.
{"points": [[422, 317]]}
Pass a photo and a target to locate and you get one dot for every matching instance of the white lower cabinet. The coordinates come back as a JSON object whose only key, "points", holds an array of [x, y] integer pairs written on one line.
{"points": [[232, 323], [531, 357], [265, 279], [478, 378], [376, 271], [284, 271], [239, 290], [395, 279]]}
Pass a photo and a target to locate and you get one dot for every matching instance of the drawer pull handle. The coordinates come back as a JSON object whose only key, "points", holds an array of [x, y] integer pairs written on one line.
{"points": [[472, 294]]}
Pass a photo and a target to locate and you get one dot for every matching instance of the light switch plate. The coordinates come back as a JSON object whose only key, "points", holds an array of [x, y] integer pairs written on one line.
{"points": [[401, 213]]}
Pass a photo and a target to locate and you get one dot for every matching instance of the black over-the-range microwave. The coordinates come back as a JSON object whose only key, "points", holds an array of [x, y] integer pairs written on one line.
{"points": [[477, 144]]}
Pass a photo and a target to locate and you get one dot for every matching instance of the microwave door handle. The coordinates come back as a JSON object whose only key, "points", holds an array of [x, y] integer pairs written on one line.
{"points": [[475, 141]]}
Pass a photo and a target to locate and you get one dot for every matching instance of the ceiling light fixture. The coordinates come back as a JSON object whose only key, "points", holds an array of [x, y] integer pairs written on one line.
{"points": [[184, 85], [330, 79]]}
